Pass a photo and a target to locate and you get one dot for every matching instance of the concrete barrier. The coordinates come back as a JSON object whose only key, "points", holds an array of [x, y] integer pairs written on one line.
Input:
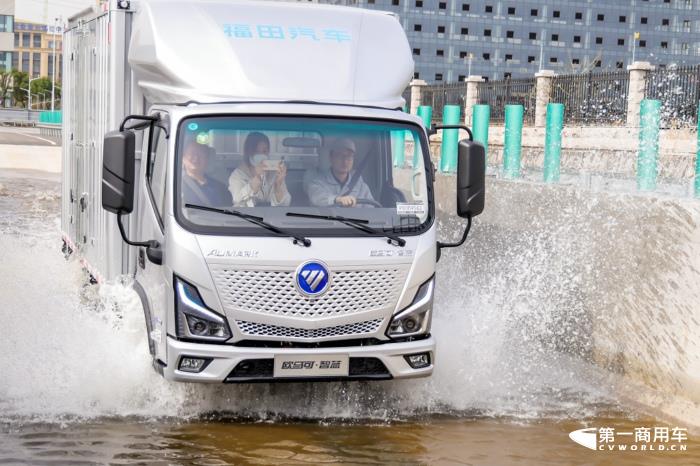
{"points": [[598, 150], [19, 115], [611, 279]]}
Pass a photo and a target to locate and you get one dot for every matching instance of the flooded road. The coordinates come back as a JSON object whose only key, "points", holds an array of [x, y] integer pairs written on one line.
{"points": [[431, 440], [76, 385]]}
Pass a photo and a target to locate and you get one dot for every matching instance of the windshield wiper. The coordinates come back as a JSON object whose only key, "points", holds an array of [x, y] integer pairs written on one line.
{"points": [[357, 223], [255, 220]]}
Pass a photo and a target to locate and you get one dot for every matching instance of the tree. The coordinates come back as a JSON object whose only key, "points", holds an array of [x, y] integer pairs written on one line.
{"points": [[5, 86], [42, 90], [20, 80]]}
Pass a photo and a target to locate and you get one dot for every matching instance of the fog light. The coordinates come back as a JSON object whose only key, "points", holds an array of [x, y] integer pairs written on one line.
{"points": [[410, 324], [195, 365], [418, 361]]}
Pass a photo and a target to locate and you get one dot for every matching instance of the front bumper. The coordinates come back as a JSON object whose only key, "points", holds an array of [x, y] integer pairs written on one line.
{"points": [[224, 359]]}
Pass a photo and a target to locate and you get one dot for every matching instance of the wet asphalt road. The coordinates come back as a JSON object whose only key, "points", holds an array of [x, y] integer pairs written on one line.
{"points": [[25, 137]]}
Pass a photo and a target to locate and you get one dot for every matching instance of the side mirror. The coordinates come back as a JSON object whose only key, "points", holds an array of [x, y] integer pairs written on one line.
{"points": [[471, 173], [118, 171]]}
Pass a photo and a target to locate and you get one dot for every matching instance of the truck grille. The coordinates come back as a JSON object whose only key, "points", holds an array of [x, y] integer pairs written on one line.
{"points": [[274, 292], [264, 330]]}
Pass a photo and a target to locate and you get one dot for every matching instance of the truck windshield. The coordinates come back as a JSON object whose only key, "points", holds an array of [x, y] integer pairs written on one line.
{"points": [[269, 167]]}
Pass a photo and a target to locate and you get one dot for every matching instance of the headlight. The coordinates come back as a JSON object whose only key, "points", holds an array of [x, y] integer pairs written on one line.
{"points": [[415, 319], [194, 320]]}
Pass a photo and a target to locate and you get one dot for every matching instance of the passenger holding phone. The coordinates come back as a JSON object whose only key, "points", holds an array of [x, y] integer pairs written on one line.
{"points": [[259, 181]]}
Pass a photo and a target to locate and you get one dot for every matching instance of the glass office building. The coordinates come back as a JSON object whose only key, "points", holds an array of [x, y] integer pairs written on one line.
{"points": [[516, 38]]}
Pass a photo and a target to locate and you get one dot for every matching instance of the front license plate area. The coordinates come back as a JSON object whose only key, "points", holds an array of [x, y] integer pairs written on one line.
{"points": [[317, 365]]}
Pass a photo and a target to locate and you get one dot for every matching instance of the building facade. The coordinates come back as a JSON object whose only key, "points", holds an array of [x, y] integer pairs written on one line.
{"points": [[7, 17], [34, 49], [515, 38]]}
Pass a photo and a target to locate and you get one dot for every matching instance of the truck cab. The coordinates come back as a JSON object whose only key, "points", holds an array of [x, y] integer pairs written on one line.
{"points": [[278, 224]]}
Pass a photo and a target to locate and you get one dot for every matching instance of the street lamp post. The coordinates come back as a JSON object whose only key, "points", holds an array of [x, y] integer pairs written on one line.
{"points": [[53, 78], [542, 38], [45, 94], [29, 95], [635, 36], [29, 91]]}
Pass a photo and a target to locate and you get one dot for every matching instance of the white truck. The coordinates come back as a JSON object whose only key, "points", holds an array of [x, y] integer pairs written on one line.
{"points": [[250, 166]]}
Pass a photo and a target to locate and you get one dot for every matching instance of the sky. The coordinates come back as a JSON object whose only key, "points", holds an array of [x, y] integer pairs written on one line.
{"points": [[33, 10]]}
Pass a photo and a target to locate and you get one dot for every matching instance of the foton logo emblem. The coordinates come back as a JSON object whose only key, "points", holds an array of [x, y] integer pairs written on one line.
{"points": [[312, 278]]}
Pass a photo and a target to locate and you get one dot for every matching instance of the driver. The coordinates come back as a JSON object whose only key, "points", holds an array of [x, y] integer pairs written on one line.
{"points": [[336, 186]]}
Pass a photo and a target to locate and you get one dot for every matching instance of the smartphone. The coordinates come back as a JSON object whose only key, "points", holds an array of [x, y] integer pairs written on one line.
{"points": [[270, 165]]}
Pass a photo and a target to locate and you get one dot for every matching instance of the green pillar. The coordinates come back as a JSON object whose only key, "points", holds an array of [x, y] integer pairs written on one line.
{"points": [[647, 158], [697, 160], [398, 147], [481, 114], [512, 146], [425, 113], [450, 138], [552, 142]]}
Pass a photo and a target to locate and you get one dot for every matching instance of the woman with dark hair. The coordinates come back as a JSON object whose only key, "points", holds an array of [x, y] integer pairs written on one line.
{"points": [[259, 181]]}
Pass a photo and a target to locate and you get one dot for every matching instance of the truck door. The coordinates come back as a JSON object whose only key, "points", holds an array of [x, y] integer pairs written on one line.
{"points": [[152, 278], [78, 137]]}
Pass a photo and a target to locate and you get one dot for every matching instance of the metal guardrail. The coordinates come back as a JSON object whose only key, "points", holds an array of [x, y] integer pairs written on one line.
{"points": [[678, 89], [50, 130], [498, 94], [20, 123], [18, 114], [593, 98]]}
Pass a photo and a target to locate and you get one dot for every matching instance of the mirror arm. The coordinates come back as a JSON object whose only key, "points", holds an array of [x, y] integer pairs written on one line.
{"points": [[441, 245], [145, 244], [145, 118], [434, 129], [165, 130]]}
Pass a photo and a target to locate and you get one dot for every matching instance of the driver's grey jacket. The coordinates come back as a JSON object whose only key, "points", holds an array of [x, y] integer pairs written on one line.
{"points": [[325, 187]]}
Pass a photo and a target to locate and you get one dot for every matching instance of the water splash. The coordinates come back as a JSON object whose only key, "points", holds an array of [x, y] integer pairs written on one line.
{"points": [[513, 322]]}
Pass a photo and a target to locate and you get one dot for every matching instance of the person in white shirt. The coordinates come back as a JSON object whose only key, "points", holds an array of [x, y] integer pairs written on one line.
{"points": [[330, 187], [253, 184]]}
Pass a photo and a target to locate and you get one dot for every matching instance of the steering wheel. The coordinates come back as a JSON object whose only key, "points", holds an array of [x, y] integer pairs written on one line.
{"points": [[371, 202], [363, 201]]}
